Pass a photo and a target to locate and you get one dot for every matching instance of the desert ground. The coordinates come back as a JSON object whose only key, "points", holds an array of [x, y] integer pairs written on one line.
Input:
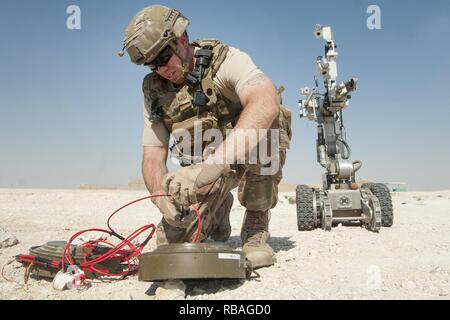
{"points": [[410, 260]]}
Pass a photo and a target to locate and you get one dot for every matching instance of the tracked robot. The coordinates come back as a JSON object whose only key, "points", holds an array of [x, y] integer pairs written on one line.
{"points": [[341, 199]]}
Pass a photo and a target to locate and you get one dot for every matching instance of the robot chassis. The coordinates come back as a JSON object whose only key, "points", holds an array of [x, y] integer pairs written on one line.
{"points": [[340, 200]]}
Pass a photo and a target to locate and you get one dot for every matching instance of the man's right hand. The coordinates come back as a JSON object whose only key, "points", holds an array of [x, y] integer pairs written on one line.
{"points": [[173, 216]]}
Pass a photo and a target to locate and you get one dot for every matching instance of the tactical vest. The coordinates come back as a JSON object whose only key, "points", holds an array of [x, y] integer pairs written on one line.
{"points": [[174, 106]]}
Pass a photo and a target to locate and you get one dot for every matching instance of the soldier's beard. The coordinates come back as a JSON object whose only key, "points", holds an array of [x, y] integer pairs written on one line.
{"points": [[184, 72], [180, 80], [187, 65]]}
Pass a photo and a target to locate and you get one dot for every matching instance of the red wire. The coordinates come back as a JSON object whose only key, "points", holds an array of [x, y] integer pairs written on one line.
{"points": [[132, 202], [199, 225], [89, 265], [116, 252]]}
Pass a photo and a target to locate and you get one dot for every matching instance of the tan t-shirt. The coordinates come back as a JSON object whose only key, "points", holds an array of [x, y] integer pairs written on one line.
{"points": [[234, 72]]}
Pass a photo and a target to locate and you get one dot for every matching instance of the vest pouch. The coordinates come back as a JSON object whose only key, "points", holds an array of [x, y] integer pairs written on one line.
{"points": [[189, 138], [284, 122], [181, 108], [194, 123]]}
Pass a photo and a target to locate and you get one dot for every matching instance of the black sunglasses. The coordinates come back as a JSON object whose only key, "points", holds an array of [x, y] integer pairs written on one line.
{"points": [[162, 59]]}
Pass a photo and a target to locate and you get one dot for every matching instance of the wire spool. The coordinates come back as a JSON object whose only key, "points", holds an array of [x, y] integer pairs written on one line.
{"points": [[53, 250]]}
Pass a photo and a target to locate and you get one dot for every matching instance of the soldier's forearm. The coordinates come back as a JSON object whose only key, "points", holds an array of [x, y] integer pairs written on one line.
{"points": [[153, 173], [258, 114]]}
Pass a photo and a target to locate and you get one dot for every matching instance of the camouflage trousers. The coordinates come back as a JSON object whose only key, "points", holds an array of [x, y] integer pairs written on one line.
{"points": [[256, 192]]}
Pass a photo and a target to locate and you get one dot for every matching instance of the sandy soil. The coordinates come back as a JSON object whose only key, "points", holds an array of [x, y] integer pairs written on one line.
{"points": [[410, 260]]}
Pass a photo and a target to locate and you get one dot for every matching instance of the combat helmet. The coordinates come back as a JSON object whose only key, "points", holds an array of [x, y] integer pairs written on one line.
{"points": [[152, 30]]}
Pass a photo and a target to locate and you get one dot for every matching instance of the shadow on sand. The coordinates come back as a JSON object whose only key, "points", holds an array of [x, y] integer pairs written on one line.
{"points": [[277, 243]]}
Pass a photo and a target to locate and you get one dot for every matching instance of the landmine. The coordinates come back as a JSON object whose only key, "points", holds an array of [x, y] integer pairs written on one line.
{"points": [[193, 261]]}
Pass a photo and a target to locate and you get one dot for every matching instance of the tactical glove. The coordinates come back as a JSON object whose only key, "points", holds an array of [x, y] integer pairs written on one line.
{"points": [[175, 216], [184, 184]]}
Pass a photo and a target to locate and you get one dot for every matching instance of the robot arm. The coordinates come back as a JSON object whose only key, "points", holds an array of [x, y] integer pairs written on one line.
{"points": [[333, 152]]}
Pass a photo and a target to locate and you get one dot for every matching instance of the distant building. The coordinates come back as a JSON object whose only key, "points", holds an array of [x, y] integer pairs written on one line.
{"points": [[137, 185], [396, 186]]}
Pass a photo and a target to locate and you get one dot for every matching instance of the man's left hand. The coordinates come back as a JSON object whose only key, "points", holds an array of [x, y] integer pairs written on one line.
{"points": [[183, 184]]}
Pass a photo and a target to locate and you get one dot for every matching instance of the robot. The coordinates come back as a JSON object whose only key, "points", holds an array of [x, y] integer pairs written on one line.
{"points": [[341, 199]]}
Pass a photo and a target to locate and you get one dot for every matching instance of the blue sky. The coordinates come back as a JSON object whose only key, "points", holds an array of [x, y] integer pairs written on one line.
{"points": [[71, 110]]}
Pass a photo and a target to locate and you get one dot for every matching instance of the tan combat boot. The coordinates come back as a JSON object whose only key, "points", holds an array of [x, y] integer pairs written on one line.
{"points": [[254, 235]]}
